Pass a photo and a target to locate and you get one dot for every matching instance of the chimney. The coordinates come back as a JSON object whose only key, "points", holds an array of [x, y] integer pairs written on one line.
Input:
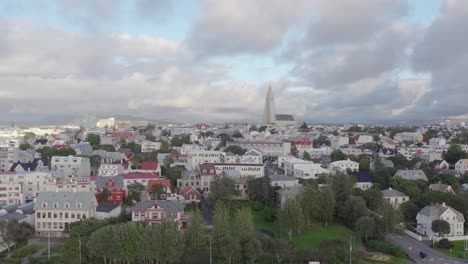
{"points": [[390, 188], [443, 205]]}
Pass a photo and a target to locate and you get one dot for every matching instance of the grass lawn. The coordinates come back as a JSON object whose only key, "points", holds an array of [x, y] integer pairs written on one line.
{"points": [[54, 250], [311, 238], [25, 251], [457, 250]]}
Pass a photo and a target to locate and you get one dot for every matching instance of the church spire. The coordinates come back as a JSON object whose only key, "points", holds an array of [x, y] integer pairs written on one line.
{"points": [[269, 114]]}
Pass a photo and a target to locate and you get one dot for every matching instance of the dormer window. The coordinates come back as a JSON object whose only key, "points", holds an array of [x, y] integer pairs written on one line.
{"points": [[44, 205], [78, 205], [55, 205], [67, 205]]}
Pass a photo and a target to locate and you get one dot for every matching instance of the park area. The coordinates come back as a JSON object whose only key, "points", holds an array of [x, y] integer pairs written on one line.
{"points": [[457, 251]]}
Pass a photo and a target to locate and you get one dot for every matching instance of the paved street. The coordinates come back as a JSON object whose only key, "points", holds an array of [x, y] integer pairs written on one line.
{"points": [[413, 247]]}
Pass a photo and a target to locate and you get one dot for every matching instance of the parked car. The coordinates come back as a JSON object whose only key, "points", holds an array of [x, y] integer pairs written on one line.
{"points": [[423, 254]]}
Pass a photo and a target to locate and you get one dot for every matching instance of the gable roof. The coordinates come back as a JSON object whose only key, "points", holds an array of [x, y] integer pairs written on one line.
{"points": [[87, 200], [41, 141], [411, 175], [149, 165], [392, 193], [101, 181], [436, 210], [106, 207], [162, 181], [165, 204], [362, 176], [29, 166], [439, 187], [188, 189]]}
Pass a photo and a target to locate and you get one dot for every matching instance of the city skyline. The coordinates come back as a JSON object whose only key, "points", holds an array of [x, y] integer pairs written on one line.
{"points": [[205, 60]]}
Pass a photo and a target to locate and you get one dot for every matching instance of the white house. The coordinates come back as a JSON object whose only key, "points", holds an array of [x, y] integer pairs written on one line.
{"points": [[428, 214], [241, 170], [411, 175], [290, 163], [198, 157], [150, 146], [394, 197], [338, 141], [363, 139], [71, 166], [55, 211], [110, 169], [268, 148], [462, 166], [309, 171], [438, 141], [343, 165]]}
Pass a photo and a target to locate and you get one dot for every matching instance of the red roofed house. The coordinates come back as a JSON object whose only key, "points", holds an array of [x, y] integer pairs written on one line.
{"points": [[127, 136], [148, 167], [302, 145], [142, 178], [191, 195], [166, 183]]}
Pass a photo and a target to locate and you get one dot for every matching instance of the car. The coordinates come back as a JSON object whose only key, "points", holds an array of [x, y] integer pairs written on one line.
{"points": [[423, 254]]}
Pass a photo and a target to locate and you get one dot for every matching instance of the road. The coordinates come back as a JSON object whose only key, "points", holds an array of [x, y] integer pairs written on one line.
{"points": [[413, 247]]}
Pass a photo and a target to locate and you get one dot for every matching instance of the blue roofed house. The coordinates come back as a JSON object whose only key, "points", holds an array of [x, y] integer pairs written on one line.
{"points": [[363, 179]]}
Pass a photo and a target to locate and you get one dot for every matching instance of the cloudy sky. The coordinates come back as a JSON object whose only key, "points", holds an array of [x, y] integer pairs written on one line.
{"points": [[212, 60]]}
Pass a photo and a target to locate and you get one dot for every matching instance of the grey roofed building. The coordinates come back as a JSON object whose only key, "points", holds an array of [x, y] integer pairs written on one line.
{"points": [[439, 187], [281, 177], [27, 208], [253, 152], [284, 117], [168, 205], [12, 216], [393, 193], [435, 211], [86, 199], [101, 181], [106, 207], [286, 193], [231, 174], [411, 175], [5, 209]]}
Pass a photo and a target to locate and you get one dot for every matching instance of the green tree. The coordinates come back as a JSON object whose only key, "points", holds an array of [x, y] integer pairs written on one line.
{"points": [[104, 196], [94, 140], [342, 186], [235, 149], [337, 155], [237, 134], [441, 227], [95, 161], [309, 200], [179, 140], [455, 153], [134, 190], [12, 232], [326, 204], [165, 147], [353, 209], [291, 217], [226, 239], [389, 219], [26, 146], [253, 128], [156, 191], [262, 128], [306, 155], [168, 161], [409, 210], [221, 189], [365, 227], [196, 237], [373, 197]]}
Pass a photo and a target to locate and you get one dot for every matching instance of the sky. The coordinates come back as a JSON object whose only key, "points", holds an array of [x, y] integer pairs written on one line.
{"points": [[213, 60]]}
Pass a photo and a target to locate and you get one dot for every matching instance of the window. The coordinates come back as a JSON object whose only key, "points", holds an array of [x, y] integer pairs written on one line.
{"points": [[67, 205], [55, 205], [44, 205], [78, 205]]}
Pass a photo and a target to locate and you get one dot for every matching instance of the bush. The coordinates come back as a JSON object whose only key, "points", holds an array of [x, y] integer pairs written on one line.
{"points": [[257, 206], [444, 243], [25, 251], [269, 214], [387, 248]]}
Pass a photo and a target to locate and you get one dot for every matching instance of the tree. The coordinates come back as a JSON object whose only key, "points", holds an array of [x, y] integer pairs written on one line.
{"points": [[195, 237], [363, 162], [168, 161], [12, 232], [235, 149], [320, 141], [306, 155], [237, 134], [309, 200], [373, 197], [337, 155], [94, 140], [95, 161], [108, 148], [179, 140], [156, 191], [226, 239], [353, 209], [365, 227], [165, 147], [455, 153], [326, 204], [253, 128], [342, 186], [441, 227], [291, 217], [26, 146], [409, 210], [221, 189], [389, 219], [104, 196], [134, 192]]}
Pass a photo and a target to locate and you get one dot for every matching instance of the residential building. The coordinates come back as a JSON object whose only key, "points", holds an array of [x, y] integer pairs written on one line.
{"points": [[309, 171], [337, 141], [65, 184], [34, 165], [438, 141], [152, 167], [409, 136], [166, 188], [283, 181], [110, 169], [198, 157], [363, 139], [106, 123], [155, 212], [363, 180], [115, 189], [268, 148], [394, 197], [343, 166], [430, 213], [441, 188], [411, 175], [55, 211], [461, 166], [244, 170], [11, 193], [71, 166], [142, 178], [150, 146], [191, 195], [289, 165]]}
